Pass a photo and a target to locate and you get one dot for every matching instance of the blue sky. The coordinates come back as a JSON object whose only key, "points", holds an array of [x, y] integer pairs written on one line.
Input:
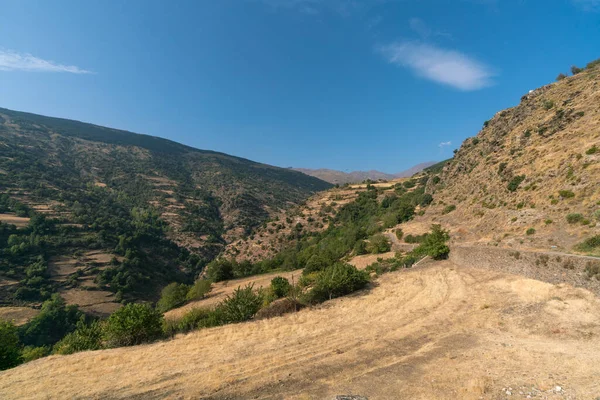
{"points": [[343, 84]]}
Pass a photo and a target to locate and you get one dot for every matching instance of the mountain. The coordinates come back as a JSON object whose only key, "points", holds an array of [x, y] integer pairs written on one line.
{"points": [[99, 208], [531, 176], [339, 177]]}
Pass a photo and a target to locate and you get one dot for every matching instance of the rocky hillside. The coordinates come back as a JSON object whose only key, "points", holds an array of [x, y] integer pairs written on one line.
{"points": [[93, 207], [531, 176]]}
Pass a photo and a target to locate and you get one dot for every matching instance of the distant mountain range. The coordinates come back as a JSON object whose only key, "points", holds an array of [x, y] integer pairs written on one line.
{"points": [[334, 176]]}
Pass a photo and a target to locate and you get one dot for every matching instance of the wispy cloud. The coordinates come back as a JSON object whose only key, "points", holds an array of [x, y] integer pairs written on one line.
{"points": [[341, 7], [444, 144], [588, 5], [448, 67], [13, 61], [421, 28]]}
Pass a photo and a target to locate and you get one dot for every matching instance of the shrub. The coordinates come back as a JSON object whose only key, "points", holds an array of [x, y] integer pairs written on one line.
{"points": [[590, 244], [278, 308], [566, 194], [199, 289], [53, 322], [337, 280], [30, 353], [173, 295], [219, 270], [10, 347], [575, 69], [593, 269], [592, 150], [415, 238], [530, 231], [131, 325], [280, 286], [378, 244], [399, 233], [449, 209], [241, 305], [561, 76], [434, 244], [516, 181], [85, 337], [426, 200], [574, 218], [548, 104], [196, 318], [597, 214]]}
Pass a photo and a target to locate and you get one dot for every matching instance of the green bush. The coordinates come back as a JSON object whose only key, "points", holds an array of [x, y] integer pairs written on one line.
{"points": [[530, 231], [196, 318], [515, 182], [566, 194], [560, 77], [199, 289], [592, 150], [10, 347], [360, 248], [449, 209], [337, 280], [131, 325], [378, 244], [434, 244], [219, 270], [597, 214], [54, 321], [548, 104], [399, 234], [280, 286], [591, 244], [574, 218], [241, 305], [173, 295], [575, 69], [30, 353], [85, 337]]}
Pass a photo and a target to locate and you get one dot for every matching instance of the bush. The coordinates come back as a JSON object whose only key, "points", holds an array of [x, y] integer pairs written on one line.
{"points": [[173, 295], [530, 231], [574, 218], [590, 244], [566, 194], [575, 69], [360, 248], [548, 104], [131, 325], [378, 244], [449, 209], [219, 270], [434, 244], [30, 353], [85, 337], [280, 286], [337, 280], [10, 347], [514, 184], [592, 150], [560, 77], [241, 305], [196, 318], [415, 238], [399, 233], [53, 322], [199, 289]]}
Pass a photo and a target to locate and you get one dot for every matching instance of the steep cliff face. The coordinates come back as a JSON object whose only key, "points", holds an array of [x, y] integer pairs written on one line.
{"points": [[531, 176]]}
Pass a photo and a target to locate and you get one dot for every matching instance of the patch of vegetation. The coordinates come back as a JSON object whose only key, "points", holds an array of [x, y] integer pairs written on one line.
{"points": [[592, 150], [566, 194], [280, 287], [172, 296], [590, 245], [337, 280], [448, 209], [574, 218], [548, 104], [10, 346], [131, 325], [378, 244], [530, 231], [515, 182]]}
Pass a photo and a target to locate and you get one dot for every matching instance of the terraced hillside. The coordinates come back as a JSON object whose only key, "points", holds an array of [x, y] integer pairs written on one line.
{"points": [[100, 213], [531, 176]]}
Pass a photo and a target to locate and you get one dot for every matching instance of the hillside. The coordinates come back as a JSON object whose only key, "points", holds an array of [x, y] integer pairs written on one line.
{"points": [[340, 177], [530, 177], [439, 332], [85, 207]]}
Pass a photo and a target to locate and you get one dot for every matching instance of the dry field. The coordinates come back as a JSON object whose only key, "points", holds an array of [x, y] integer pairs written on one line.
{"points": [[19, 222], [18, 315], [435, 332]]}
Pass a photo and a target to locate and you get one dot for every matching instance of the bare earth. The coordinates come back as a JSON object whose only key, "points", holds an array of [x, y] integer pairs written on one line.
{"points": [[435, 332], [19, 222]]}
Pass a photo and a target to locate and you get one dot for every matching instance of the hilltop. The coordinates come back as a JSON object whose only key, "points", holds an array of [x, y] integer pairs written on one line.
{"points": [[107, 213], [340, 177]]}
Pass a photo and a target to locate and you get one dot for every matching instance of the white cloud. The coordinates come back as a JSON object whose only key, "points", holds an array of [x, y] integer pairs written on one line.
{"points": [[448, 67], [13, 61], [444, 144], [342, 7]]}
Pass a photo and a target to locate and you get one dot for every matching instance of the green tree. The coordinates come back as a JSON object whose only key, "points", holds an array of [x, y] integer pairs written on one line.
{"points": [[131, 325], [280, 286], [378, 244], [434, 244], [173, 295], [242, 305], [337, 280], [10, 346], [85, 337], [199, 289]]}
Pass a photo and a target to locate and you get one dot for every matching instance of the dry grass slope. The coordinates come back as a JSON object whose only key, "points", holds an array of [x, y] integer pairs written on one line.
{"points": [[441, 331]]}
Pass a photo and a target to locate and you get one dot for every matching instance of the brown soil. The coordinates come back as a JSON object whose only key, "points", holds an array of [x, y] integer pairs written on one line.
{"points": [[19, 222], [18, 315], [436, 332]]}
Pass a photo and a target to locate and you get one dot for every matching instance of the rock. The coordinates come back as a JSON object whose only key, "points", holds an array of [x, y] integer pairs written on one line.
{"points": [[558, 389]]}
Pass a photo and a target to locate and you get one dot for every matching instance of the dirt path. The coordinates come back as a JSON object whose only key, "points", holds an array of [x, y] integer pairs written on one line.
{"points": [[436, 332]]}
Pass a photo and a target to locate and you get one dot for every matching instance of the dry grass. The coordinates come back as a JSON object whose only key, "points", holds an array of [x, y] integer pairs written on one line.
{"points": [[19, 222], [18, 315], [419, 334]]}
